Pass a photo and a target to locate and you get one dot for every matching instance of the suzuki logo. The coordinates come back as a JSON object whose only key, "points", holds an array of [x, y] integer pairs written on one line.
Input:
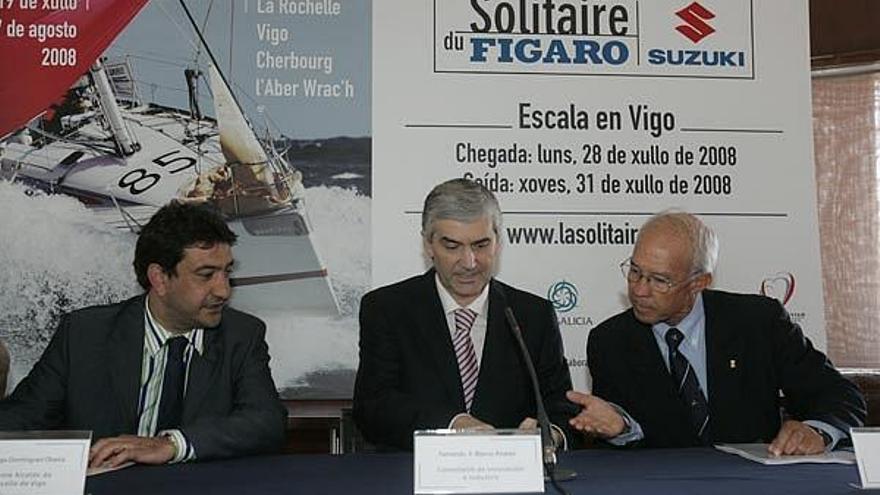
{"points": [[695, 17]]}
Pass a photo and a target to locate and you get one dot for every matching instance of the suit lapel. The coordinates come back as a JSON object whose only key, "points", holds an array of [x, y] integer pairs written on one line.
{"points": [[202, 368], [434, 333], [496, 358], [646, 361], [724, 349], [126, 351]]}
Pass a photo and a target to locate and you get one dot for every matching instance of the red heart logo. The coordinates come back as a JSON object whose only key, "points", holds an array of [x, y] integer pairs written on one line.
{"points": [[779, 286]]}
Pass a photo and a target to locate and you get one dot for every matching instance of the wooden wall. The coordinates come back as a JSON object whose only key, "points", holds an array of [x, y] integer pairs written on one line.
{"points": [[844, 32]]}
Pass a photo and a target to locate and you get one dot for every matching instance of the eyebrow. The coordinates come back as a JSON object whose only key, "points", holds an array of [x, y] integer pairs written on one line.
{"points": [[229, 265], [649, 273], [455, 241]]}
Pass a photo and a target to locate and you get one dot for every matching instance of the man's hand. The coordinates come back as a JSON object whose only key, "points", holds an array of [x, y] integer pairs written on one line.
{"points": [[532, 424], [528, 424], [112, 452], [468, 422], [796, 438], [597, 418]]}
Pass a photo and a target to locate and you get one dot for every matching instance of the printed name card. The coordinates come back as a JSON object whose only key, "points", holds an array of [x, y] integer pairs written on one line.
{"points": [[867, 444], [496, 461], [43, 462]]}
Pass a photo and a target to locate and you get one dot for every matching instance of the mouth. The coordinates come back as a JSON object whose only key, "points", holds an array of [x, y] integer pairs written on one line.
{"points": [[215, 307], [469, 278], [640, 308]]}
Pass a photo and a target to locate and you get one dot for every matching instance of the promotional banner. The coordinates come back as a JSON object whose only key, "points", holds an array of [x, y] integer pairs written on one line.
{"points": [[261, 108], [318, 126], [585, 118]]}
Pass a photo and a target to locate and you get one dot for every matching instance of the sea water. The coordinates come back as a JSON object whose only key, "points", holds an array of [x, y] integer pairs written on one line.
{"points": [[56, 256]]}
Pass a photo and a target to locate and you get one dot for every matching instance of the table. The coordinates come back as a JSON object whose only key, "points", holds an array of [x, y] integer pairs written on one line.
{"points": [[600, 471]]}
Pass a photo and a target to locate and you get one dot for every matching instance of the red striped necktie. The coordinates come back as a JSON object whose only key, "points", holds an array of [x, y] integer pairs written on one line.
{"points": [[464, 353]]}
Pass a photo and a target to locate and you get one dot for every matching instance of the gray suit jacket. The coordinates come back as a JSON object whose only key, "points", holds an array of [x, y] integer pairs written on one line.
{"points": [[89, 376]]}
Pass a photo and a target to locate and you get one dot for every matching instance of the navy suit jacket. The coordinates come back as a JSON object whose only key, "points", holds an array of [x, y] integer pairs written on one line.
{"points": [[408, 378], [89, 377], [753, 351]]}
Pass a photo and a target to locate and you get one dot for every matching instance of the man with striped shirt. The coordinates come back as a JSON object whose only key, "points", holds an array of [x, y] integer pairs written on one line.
{"points": [[172, 375]]}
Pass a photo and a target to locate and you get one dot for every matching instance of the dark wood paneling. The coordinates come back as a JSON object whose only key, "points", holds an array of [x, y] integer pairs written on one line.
{"points": [[844, 32]]}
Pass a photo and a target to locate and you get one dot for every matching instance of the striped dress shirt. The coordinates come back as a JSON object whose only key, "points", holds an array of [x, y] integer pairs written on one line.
{"points": [[152, 375]]}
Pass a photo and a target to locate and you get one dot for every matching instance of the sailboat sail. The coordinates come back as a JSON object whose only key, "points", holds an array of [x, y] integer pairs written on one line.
{"points": [[246, 184], [43, 67], [236, 138], [172, 154]]}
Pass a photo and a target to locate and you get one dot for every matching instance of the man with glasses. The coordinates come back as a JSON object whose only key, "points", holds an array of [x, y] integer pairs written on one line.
{"points": [[688, 366]]}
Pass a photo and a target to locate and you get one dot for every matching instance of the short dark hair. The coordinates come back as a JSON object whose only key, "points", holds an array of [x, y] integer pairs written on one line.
{"points": [[175, 227]]}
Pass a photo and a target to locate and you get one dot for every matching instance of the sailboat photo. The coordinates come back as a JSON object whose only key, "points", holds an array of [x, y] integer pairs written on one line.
{"points": [[85, 131]]}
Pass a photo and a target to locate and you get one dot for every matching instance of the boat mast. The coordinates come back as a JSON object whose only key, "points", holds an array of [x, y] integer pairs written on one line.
{"points": [[207, 47], [126, 143]]}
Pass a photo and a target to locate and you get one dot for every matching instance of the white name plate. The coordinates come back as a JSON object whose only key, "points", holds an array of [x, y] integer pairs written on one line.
{"points": [[43, 462], [867, 444], [495, 461]]}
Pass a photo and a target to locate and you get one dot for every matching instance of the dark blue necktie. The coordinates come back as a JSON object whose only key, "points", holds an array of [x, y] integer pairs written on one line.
{"points": [[688, 386], [173, 383]]}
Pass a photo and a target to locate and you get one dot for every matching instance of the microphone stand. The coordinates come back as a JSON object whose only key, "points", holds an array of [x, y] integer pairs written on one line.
{"points": [[548, 444]]}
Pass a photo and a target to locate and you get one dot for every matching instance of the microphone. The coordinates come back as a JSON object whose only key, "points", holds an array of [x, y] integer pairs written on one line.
{"points": [[547, 442]]}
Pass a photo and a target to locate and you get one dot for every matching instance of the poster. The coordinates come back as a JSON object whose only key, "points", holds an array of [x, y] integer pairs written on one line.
{"points": [[585, 118], [76, 188]]}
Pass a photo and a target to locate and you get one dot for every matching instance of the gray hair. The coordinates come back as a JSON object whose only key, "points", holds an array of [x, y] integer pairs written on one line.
{"points": [[462, 200], [703, 241]]}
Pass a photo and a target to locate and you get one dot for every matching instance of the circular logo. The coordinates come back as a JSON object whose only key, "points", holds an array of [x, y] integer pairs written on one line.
{"points": [[563, 295]]}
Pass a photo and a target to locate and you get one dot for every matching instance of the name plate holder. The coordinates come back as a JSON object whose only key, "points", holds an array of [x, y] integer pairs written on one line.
{"points": [[867, 445], [485, 461], [43, 462]]}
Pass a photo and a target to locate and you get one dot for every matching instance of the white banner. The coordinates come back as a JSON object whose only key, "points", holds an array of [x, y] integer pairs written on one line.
{"points": [[587, 117]]}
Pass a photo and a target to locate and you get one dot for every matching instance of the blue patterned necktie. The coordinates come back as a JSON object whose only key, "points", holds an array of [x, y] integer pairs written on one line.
{"points": [[688, 386], [173, 383]]}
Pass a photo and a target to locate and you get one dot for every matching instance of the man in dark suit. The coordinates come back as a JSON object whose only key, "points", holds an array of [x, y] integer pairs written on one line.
{"points": [[173, 375], [435, 349], [687, 366]]}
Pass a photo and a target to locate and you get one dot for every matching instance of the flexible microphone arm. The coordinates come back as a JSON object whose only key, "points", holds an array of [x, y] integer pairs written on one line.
{"points": [[548, 445]]}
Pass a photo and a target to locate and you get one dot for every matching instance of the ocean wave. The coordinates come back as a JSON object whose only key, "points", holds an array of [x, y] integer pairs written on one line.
{"points": [[56, 256]]}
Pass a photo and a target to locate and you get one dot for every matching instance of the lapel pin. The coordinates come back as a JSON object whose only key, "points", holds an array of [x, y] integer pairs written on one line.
{"points": [[733, 364]]}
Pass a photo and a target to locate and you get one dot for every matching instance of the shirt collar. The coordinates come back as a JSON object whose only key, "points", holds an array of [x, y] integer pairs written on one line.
{"points": [[689, 325], [155, 335], [478, 305]]}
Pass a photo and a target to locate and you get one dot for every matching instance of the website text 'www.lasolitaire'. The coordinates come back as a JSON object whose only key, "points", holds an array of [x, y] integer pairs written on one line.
{"points": [[562, 233]]}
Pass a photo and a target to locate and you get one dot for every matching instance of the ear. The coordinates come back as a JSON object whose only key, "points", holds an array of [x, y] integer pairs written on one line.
{"points": [[158, 279], [429, 250], [703, 281]]}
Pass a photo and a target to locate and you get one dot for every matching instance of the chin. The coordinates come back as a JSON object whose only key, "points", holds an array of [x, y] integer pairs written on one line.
{"points": [[209, 321], [646, 319]]}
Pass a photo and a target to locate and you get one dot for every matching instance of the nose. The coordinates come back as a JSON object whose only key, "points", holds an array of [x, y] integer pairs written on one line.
{"points": [[469, 259], [641, 287], [221, 288]]}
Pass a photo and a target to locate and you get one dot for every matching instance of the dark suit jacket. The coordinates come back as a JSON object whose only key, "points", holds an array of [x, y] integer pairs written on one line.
{"points": [[753, 351], [408, 377], [89, 376]]}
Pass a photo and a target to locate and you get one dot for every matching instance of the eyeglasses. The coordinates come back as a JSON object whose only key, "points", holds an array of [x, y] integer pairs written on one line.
{"points": [[658, 283]]}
